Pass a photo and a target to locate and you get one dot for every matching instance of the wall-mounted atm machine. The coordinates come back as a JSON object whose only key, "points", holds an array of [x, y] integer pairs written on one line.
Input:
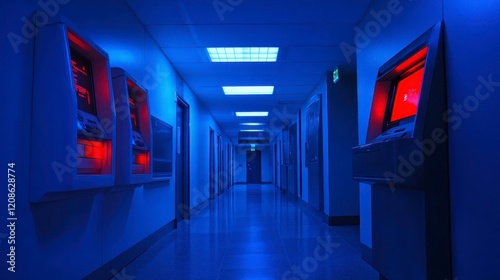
{"points": [[133, 130], [405, 159], [73, 119]]}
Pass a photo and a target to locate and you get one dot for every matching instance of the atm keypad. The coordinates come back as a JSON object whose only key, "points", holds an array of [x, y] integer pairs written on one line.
{"points": [[392, 134], [138, 141], [90, 127]]}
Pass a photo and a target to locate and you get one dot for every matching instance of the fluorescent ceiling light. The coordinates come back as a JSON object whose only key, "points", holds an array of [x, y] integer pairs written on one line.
{"points": [[252, 114], [248, 90], [247, 54], [252, 130], [252, 123]]}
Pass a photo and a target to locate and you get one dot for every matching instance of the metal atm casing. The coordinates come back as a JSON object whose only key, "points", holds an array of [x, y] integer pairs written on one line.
{"points": [[71, 150], [393, 147], [406, 164], [133, 129]]}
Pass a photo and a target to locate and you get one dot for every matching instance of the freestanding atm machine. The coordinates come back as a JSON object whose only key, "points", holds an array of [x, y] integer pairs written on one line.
{"points": [[73, 117], [405, 159], [133, 129]]}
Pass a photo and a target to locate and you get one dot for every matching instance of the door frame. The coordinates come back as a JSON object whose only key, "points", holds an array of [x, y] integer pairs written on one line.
{"points": [[299, 143], [275, 164], [183, 193], [293, 158], [259, 152], [220, 164], [211, 162], [229, 166]]}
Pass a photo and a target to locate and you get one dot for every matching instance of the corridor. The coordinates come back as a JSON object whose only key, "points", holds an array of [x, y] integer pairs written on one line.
{"points": [[254, 232]]}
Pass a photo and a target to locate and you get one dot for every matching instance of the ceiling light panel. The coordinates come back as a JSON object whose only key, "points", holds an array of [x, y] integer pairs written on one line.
{"points": [[252, 130], [248, 90], [252, 114], [252, 123], [246, 54]]}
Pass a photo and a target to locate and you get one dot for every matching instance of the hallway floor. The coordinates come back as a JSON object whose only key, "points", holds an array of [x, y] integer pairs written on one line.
{"points": [[254, 232]]}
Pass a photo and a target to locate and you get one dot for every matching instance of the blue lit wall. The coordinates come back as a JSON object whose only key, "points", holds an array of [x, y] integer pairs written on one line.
{"points": [[278, 139], [240, 165], [267, 164], [342, 136], [73, 237], [340, 194], [472, 56], [200, 123], [319, 90]]}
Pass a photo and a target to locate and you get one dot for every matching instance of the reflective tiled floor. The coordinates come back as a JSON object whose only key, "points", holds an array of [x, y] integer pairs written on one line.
{"points": [[254, 232]]}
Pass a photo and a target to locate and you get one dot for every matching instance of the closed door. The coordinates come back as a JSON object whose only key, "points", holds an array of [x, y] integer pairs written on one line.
{"points": [[292, 165], [254, 171], [212, 163], [220, 165], [182, 201], [230, 165], [285, 152]]}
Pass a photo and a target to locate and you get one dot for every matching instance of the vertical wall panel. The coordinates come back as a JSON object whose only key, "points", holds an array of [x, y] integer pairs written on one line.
{"points": [[472, 55]]}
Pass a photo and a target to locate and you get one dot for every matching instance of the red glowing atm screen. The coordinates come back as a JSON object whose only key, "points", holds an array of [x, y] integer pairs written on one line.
{"points": [[82, 78], [134, 110], [407, 96]]}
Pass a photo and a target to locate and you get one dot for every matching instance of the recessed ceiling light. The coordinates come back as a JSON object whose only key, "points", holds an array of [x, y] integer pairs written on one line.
{"points": [[248, 90], [246, 54], [252, 114], [252, 123], [252, 130]]}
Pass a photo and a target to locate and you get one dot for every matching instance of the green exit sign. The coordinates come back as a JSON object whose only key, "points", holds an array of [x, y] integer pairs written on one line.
{"points": [[336, 75]]}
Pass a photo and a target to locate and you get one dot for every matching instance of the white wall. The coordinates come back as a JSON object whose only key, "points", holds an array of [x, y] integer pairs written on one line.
{"points": [[200, 122], [240, 165], [267, 164]]}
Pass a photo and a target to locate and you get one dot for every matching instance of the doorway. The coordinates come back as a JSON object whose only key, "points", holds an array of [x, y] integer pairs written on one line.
{"points": [[292, 161], [254, 168], [314, 154], [220, 165], [211, 164], [228, 173], [182, 183], [299, 144], [275, 165]]}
